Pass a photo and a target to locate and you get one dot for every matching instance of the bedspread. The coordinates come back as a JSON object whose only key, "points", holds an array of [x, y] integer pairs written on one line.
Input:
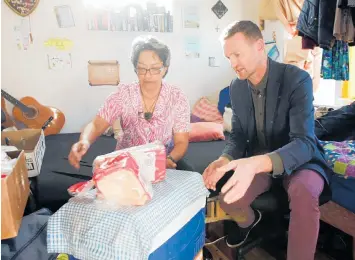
{"points": [[341, 157]]}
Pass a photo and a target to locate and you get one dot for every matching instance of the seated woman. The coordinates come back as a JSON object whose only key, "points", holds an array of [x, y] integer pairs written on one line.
{"points": [[149, 110]]}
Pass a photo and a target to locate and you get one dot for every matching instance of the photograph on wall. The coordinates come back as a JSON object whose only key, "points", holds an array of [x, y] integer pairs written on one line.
{"points": [[103, 72], [64, 16], [59, 61], [191, 17], [148, 17], [192, 47]]}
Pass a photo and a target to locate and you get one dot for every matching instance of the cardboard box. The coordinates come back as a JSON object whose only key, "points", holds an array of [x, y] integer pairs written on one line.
{"points": [[32, 142], [15, 189]]}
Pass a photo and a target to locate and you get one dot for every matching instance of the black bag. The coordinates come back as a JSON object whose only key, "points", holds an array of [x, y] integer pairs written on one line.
{"points": [[31, 241], [337, 125]]}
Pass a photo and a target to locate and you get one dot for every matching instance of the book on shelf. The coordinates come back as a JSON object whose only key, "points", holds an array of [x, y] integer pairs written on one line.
{"points": [[144, 20]]}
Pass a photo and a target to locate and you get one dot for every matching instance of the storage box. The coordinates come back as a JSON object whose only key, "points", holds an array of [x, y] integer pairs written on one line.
{"points": [[32, 142], [15, 189]]}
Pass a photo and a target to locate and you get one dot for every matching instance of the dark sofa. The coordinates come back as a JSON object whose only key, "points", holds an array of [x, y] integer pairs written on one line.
{"points": [[57, 175]]}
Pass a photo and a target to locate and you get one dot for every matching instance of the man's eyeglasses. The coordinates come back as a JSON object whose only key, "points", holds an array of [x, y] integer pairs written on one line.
{"points": [[153, 71]]}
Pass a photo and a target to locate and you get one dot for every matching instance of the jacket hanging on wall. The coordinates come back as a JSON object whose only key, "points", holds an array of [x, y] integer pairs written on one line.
{"points": [[316, 22]]}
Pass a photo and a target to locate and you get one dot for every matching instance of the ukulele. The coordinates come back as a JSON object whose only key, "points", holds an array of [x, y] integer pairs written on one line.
{"points": [[34, 115]]}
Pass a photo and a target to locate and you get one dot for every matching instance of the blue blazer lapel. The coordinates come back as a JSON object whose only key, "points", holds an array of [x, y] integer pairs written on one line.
{"points": [[272, 98]]}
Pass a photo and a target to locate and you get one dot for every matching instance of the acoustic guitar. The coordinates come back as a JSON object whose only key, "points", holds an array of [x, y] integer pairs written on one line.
{"points": [[6, 120], [34, 115]]}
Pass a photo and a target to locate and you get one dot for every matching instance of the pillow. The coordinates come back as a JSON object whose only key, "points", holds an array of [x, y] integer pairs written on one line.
{"points": [[341, 157], [206, 131], [207, 111], [227, 119], [195, 119]]}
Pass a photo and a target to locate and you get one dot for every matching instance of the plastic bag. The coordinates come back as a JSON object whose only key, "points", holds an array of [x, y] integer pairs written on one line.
{"points": [[125, 177], [80, 187], [151, 159], [7, 164], [119, 181]]}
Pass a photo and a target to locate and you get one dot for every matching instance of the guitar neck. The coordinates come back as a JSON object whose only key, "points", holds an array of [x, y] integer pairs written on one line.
{"points": [[14, 101]]}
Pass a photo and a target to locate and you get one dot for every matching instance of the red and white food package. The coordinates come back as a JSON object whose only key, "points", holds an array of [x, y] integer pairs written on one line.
{"points": [[80, 187], [151, 160], [125, 177], [119, 180]]}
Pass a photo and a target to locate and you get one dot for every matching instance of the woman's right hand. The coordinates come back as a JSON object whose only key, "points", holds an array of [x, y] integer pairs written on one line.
{"points": [[211, 175], [78, 150]]}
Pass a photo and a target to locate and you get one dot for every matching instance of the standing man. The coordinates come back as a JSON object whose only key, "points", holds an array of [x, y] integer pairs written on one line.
{"points": [[272, 137]]}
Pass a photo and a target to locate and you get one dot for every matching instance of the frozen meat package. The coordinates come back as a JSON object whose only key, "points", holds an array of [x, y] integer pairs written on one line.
{"points": [[125, 177], [151, 159]]}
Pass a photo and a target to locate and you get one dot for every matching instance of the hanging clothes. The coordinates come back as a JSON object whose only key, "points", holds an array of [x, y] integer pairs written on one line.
{"points": [[343, 25], [308, 43], [344, 29], [316, 21], [288, 11], [335, 62], [326, 23], [347, 10]]}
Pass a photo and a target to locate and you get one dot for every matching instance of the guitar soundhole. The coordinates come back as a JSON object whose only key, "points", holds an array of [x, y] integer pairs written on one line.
{"points": [[31, 113]]}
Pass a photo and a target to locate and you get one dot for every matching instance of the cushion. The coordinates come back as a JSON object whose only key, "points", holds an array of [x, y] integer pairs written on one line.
{"points": [[207, 111], [206, 131], [341, 157], [195, 119]]}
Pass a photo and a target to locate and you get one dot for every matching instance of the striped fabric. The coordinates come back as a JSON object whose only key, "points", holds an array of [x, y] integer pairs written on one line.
{"points": [[207, 111]]}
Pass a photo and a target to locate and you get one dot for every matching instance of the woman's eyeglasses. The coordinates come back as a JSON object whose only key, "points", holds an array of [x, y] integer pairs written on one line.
{"points": [[153, 71]]}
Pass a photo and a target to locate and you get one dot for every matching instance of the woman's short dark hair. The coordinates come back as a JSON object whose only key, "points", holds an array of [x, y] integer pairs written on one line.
{"points": [[144, 43]]}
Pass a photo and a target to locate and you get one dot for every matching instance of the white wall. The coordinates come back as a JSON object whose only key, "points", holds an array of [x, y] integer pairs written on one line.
{"points": [[25, 72]]}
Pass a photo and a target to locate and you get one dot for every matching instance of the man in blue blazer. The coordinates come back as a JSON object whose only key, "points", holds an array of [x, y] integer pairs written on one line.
{"points": [[272, 137]]}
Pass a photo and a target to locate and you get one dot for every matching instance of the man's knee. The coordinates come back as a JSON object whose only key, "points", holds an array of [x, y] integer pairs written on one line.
{"points": [[259, 185], [239, 204], [305, 186]]}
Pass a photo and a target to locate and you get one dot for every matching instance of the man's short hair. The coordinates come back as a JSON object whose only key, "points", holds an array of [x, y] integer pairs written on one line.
{"points": [[248, 28]]}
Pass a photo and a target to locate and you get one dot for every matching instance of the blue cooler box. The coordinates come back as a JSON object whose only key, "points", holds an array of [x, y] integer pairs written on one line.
{"points": [[183, 245]]}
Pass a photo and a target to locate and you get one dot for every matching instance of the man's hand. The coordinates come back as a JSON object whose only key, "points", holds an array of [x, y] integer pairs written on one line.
{"points": [[170, 164], [77, 152], [211, 176], [244, 173]]}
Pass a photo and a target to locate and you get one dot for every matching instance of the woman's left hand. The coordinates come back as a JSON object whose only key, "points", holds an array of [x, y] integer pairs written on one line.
{"points": [[170, 164]]}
